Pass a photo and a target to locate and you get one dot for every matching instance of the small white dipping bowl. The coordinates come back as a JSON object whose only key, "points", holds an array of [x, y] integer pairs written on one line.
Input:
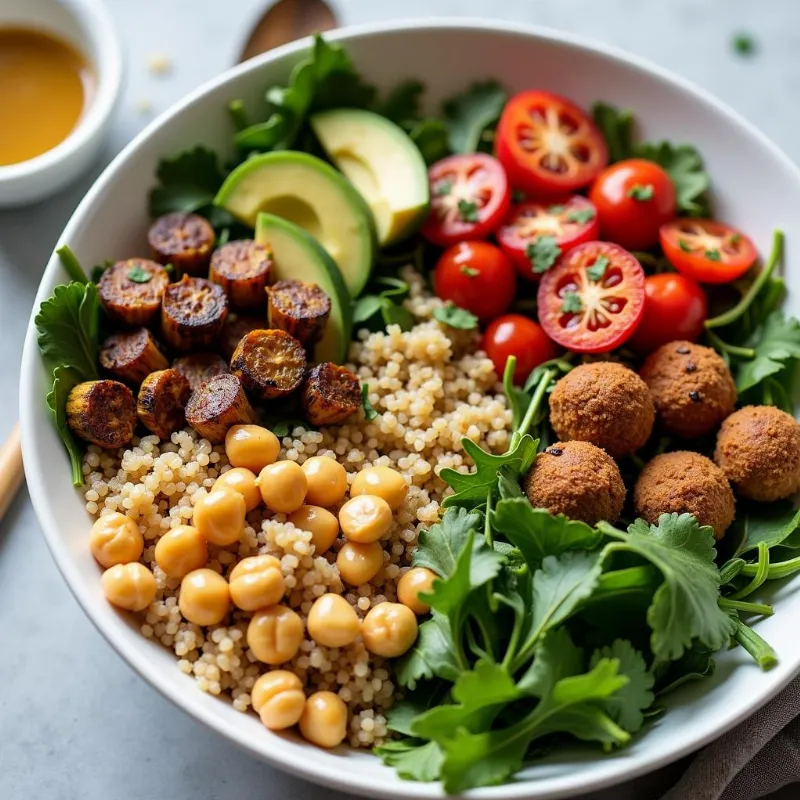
{"points": [[756, 188], [87, 26]]}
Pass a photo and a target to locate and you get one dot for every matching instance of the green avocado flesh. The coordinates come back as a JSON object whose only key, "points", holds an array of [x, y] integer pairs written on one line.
{"points": [[296, 255], [311, 194]]}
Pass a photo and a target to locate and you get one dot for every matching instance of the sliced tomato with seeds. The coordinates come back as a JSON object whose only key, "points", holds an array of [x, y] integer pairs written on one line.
{"points": [[593, 299], [470, 197], [707, 251], [534, 231], [548, 145]]}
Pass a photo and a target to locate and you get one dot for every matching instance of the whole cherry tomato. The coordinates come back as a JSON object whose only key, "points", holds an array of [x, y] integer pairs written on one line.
{"points": [[515, 335]]}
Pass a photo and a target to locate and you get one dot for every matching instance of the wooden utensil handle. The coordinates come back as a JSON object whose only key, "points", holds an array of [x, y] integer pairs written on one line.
{"points": [[11, 473]]}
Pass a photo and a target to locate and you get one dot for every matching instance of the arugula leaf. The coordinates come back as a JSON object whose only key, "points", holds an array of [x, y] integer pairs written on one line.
{"points": [[431, 656], [472, 489], [771, 523], [450, 314], [188, 182], [438, 548], [64, 381], [538, 534], [777, 341], [369, 412], [413, 759], [684, 607], [616, 125], [542, 252], [685, 167], [431, 136], [402, 104], [508, 486], [67, 325], [470, 113], [625, 707]]}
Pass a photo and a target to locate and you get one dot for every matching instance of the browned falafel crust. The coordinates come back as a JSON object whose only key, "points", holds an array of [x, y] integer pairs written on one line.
{"points": [[578, 480], [604, 403], [758, 449], [691, 386], [685, 483]]}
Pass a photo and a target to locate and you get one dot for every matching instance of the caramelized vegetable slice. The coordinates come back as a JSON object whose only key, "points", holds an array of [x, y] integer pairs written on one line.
{"points": [[235, 328], [217, 405], [330, 394], [299, 308], [270, 363], [242, 269], [131, 291], [102, 412], [131, 356], [183, 240], [161, 402], [200, 367], [193, 313]]}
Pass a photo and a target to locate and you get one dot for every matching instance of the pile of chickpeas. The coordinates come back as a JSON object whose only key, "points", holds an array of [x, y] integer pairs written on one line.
{"points": [[256, 584]]}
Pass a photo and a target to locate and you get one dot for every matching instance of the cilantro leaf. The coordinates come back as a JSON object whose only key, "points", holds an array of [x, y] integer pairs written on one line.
{"points": [[369, 412], [138, 275], [542, 252], [581, 215], [598, 270], [469, 114], [443, 187], [775, 342], [696, 663], [538, 534], [187, 182], [685, 167], [366, 307], [771, 523], [413, 759], [616, 125], [743, 44], [641, 192], [450, 314], [684, 607], [431, 656], [572, 303], [387, 302], [64, 381], [625, 707], [468, 210]]}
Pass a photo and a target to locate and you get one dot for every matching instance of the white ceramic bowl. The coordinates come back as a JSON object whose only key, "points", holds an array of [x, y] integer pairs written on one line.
{"points": [[87, 26], [756, 187]]}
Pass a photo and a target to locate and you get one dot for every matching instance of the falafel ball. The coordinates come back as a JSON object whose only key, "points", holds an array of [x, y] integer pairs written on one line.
{"points": [[691, 386], [685, 483], [578, 480], [758, 449], [604, 403]]}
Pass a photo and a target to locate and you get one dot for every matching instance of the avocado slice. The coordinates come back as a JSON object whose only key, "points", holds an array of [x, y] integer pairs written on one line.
{"points": [[296, 255], [384, 165], [308, 192]]}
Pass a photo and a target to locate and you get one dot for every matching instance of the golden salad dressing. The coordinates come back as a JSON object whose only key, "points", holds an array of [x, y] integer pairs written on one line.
{"points": [[45, 87]]}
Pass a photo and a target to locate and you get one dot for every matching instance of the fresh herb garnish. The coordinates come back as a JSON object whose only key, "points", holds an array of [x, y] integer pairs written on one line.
{"points": [[387, 303], [187, 182], [572, 303], [597, 271], [139, 275], [542, 252], [369, 412], [641, 192], [450, 314], [468, 210], [713, 255], [581, 215], [684, 246], [744, 44], [469, 114], [556, 210], [470, 272], [443, 188]]}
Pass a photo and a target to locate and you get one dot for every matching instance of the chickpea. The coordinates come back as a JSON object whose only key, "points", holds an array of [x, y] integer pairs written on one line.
{"points": [[129, 586], [324, 719], [219, 516], [332, 621], [257, 582], [327, 481], [389, 629], [365, 518], [359, 563], [283, 486], [115, 539], [320, 523], [416, 581], [205, 597], [251, 446], [181, 550], [243, 481], [274, 634], [383, 482], [278, 699]]}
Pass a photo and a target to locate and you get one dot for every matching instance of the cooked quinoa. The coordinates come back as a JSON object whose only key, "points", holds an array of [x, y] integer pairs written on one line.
{"points": [[431, 386]]}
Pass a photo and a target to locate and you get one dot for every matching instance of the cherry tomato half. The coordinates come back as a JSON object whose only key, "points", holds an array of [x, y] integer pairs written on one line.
{"points": [[634, 198], [707, 251], [477, 276], [470, 197], [674, 308], [567, 223], [515, 335], [592, 300], [548, 145]]}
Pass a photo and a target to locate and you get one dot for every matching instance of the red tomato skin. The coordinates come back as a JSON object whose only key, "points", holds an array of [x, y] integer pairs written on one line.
{"points": [[695, 265], [516, 335], [486, 294], [520, 165], [486, 177], [572, 234], [633, 224], [675, 307], [632, 281]]}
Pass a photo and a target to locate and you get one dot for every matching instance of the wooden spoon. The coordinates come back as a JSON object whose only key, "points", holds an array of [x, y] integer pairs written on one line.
{"points": [[283, 22]]}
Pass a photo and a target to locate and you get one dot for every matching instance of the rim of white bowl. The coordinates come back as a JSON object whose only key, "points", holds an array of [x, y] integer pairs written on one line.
{"points": [[95, 20], [297, 761]]}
